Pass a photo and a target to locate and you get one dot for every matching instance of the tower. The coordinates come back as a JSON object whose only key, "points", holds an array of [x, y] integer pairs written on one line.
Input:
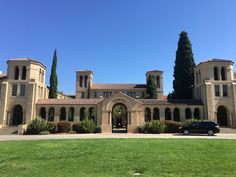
{"points": [[23, 86], [84, 81], [159, 81]]}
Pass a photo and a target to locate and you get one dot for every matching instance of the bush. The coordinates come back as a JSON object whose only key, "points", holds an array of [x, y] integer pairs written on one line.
{"points": [[44, 133], [85, 126], [172, 126], [63, 126], [52, 127], [36, 126], [189, 121], [72, 132], [154, 126]]}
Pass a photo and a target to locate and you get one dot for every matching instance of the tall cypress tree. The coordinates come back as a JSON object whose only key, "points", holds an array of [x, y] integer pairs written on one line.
{"points": [[183, 69], [151, 90], [53, 77]]}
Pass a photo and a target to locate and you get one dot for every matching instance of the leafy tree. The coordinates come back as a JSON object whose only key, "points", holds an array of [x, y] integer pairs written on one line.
{"points": [[53, 77], [151, 90], [183, 69]]}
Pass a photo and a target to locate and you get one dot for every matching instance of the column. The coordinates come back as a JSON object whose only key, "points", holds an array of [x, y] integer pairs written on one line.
{"points": [[129, 117], [151, 114], [192, 113], [219, 74]]}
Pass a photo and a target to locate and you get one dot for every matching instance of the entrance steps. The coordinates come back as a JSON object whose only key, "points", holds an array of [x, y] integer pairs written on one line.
{"points": [[227, 130], [8, 130]]}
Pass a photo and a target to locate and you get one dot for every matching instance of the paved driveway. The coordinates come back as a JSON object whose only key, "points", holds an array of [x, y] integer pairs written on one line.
{"points": [[97, 136]]}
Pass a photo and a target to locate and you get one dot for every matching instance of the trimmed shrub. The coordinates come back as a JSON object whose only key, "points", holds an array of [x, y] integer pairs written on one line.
{"points": [[85, 126], [77, 127], [154, 126], [44, 133], [63, 126], [72, 132], [189, 121], [36, 126], [98, 129], [52, 127], [172, 126]]}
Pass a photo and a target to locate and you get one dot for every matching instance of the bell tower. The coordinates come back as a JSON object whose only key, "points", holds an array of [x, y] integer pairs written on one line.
{"points": [[158, 75], [84, 81]]}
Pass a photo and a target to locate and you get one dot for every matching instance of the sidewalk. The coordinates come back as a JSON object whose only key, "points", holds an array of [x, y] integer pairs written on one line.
{"points": [[97, 136]]}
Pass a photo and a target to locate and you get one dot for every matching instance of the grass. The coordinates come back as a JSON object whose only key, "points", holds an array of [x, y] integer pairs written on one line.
{"points": [[119, 157]]}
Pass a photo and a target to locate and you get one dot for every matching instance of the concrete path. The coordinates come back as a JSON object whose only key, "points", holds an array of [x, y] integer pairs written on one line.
{"points": [[98, 136]]}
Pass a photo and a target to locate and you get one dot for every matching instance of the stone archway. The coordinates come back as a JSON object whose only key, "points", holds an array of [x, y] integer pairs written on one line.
{"points": [[222, 116], [119, 118], [17, 117]]}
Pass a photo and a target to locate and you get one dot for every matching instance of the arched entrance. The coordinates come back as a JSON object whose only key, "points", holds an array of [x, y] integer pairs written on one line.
{"points": [[119, 118], [222, 118], [17, 115]]}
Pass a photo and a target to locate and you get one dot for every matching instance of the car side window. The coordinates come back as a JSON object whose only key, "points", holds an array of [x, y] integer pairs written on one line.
{"points": [[194, 125]]}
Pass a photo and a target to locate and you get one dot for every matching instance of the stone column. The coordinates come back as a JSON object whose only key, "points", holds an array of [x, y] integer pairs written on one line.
{"points": [[129, 118], [182, 114], [151, 114]]}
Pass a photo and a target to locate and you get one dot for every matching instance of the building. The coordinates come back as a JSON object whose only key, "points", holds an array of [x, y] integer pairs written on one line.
{"points": [[115, 107]]}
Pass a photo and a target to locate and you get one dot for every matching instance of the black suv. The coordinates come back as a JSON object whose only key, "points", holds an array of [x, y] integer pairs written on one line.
{"points": [[204, 127]]}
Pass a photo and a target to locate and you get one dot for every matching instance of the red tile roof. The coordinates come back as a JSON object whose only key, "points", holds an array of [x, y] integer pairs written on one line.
{"points": [[69, 101], [169, 102], [118, 86]]}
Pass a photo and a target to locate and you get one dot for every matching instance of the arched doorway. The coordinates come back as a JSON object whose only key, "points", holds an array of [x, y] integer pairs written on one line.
{"points": [[222, 116], [119, 118], [17, 115]]}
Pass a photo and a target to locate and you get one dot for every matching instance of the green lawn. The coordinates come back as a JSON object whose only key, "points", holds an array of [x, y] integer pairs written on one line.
{"points": [[119, 157]]}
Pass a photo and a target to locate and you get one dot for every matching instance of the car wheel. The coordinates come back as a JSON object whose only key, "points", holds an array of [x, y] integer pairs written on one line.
{"points": [[210, 133], [186, 132]]}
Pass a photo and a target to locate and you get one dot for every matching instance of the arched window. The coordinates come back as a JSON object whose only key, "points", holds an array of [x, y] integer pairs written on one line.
{"points": [[188, 113], [216, 77], [43, 113], [51, 114], [147, 115], [23, 73], [91, 113], [82, 114], [223, 74], [156, 114], [85, 81], [167, 114], [16, 72], [62, 113], [176, 114], [71, 114], [158, 82], [196, 113], [81, 81]]}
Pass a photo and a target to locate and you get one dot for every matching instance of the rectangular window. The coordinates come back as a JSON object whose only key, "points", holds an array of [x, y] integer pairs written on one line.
{"points": [[22, 90], [95, 94], [82, 95], [14, 90], [225, 90], [217, 90]]}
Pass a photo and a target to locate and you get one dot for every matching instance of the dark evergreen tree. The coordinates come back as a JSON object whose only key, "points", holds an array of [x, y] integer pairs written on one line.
{"points": [[151, 90], [183, 69], [53, 77]]}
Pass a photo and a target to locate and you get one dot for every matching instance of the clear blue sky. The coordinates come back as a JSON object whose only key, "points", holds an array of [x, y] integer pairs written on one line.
{"points": [[119, 40]]}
